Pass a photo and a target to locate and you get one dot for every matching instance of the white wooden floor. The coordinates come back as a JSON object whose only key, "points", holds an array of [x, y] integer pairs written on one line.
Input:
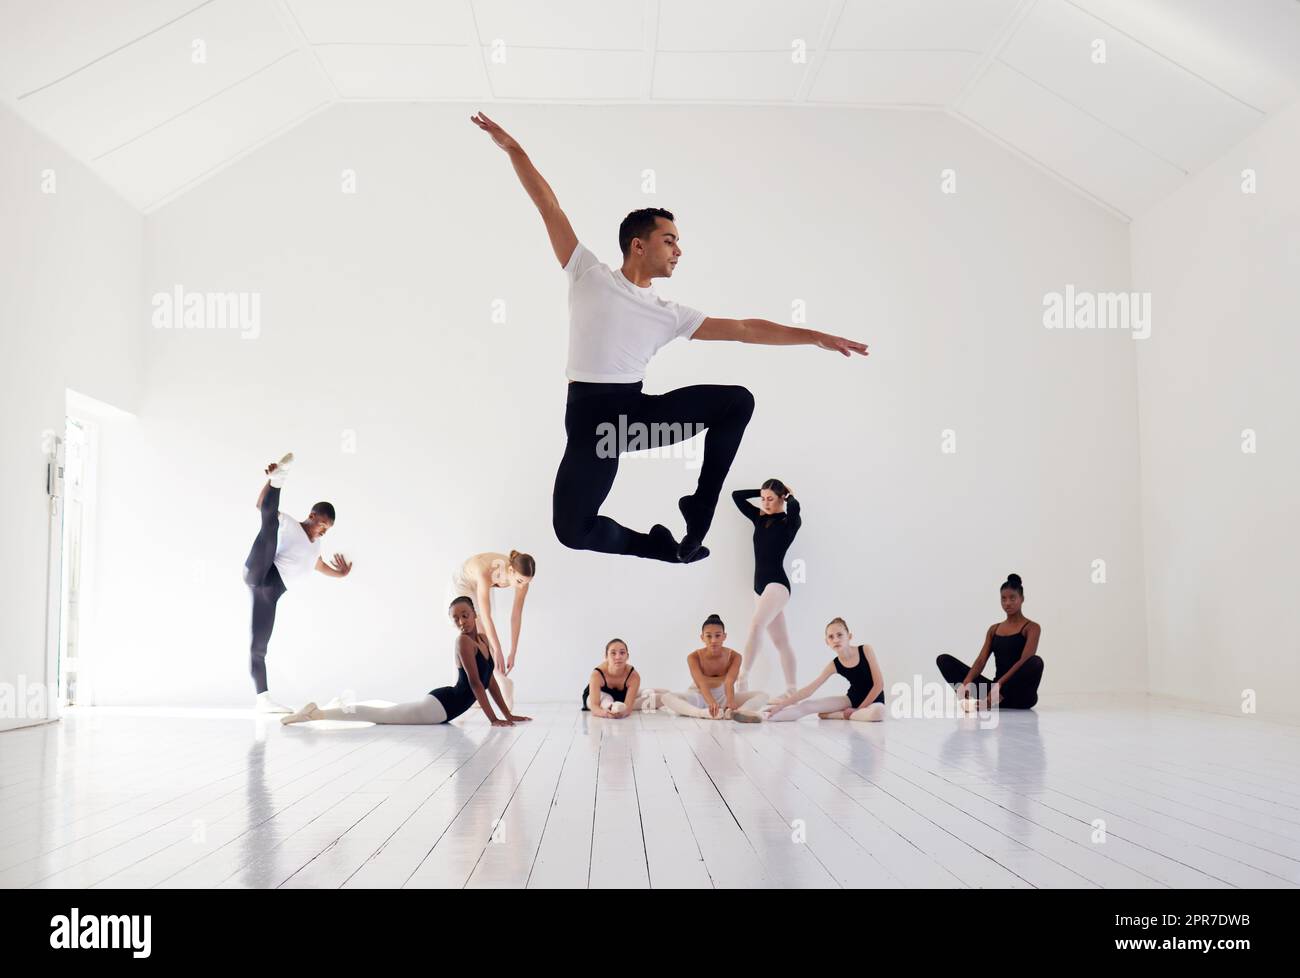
{"points": [[1188, 799]]}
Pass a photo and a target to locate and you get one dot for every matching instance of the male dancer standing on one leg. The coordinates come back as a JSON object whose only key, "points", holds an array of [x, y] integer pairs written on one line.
{"points": [[285, 550], [616, 324]]}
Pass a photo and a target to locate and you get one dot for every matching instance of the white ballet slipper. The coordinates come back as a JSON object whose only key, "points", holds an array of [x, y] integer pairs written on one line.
{"points": [[281, 470]]}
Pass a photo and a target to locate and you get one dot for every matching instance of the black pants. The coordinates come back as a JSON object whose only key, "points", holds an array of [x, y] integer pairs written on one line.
{"points": [[587, 471], [264, 584], [1020, 692]]}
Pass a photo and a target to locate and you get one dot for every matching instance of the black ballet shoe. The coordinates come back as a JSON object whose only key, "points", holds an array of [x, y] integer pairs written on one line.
{"points": [[663, 545], [690, 557]]}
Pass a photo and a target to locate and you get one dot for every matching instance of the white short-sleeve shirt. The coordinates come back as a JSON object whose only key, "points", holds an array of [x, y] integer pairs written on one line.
{"points": [[295, 555], [615, 326]]}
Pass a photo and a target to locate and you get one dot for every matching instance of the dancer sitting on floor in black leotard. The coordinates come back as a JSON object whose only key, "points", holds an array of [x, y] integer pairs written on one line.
{"points": [[776, 520], [616, 324], [474, 680], [1017, 666], [865, 699], [615, 685], [714, 671]]}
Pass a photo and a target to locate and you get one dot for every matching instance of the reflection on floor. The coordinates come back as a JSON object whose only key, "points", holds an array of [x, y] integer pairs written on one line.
{"points": [[1119, 795]]}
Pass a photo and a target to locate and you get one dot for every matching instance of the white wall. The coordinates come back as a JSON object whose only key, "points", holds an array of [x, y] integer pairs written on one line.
{"points": [[1221, 526], [376, 320], [70, 278]]}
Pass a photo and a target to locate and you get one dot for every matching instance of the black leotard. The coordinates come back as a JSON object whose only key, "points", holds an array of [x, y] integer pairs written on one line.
{"points": [[620, 695], [773, 534], [459, 698], [860, 679], [1007, 649]]}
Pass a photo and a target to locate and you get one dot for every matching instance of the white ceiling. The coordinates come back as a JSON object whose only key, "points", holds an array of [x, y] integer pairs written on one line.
{"points": [[116, 85]]}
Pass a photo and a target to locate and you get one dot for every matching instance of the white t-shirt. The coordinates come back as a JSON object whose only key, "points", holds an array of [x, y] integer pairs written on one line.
{"points": [[295, 555], [615, 326]]}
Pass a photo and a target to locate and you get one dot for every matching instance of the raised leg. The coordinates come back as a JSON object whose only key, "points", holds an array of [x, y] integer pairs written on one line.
{"points": [[261, 556]]}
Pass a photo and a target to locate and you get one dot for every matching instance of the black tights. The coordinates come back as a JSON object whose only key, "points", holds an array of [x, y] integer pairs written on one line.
{"points": [[264, 584], [587, 471], [1020, 692]]}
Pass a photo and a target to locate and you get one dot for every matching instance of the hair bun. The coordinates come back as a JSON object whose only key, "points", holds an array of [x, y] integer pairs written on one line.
{"points": [[1014, 579]]}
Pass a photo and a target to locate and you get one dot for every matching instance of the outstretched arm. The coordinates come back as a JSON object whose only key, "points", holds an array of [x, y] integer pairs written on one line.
{"points": [[516, 624], [483, 595], [338, 567], [768, 333], [802, 694], [563, 240]]}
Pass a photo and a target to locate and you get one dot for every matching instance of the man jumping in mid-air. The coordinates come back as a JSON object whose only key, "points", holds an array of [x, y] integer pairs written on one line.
{"points": [[616, 324]]}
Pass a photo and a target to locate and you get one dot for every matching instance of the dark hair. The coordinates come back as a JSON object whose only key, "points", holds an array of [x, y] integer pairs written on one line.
{"points": [[523, 563], [611, 642], [1012, 583], [638, 224], [713, 620], [325, 510], [455, 601], [776, 486]]}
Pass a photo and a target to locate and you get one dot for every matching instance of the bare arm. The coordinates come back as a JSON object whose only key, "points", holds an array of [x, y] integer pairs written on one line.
{"points": [[468, 652], [729, 682], [768, 333], [516, 624], [878, 686], [558, 228], [633, 686], [806, 691], [338, 567], [593, 696], [978, 667], [701, 681], [495, 690], [483, 596]]}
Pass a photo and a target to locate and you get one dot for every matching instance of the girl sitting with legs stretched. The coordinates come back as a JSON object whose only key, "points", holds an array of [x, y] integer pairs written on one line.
{"points": [[714, 671], [615, 686], [865, 699]]}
